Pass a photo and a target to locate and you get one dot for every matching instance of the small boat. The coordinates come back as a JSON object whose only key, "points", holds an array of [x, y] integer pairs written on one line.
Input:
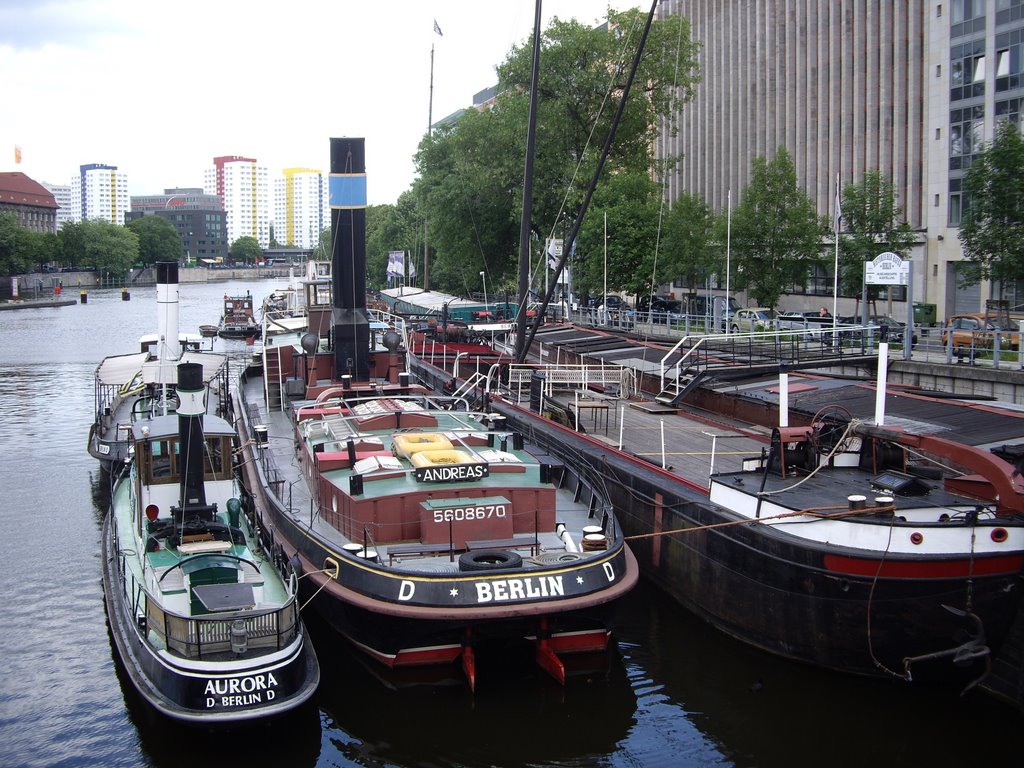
{"points": [[202, 607], [238, 320], [421, 529], [139, 385], [208, 331]]}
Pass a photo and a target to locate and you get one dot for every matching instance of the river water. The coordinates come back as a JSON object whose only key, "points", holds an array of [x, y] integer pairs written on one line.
{"points": [[671, 692]]}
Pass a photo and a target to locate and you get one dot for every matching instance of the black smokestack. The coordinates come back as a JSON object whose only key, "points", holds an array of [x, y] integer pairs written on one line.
{"points": [[348, 258], [191, 407]]}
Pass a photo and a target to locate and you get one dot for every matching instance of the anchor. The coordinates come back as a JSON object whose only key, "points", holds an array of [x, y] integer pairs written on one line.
{"points": [[971, 650]]}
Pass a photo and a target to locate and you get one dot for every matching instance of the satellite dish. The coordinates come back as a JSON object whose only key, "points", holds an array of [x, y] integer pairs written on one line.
{"points": [[391, 341], [310, 342]]}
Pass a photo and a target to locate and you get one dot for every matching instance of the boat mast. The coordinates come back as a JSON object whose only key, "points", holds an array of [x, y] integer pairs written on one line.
{"points": [[522, 348], [524, 227]]}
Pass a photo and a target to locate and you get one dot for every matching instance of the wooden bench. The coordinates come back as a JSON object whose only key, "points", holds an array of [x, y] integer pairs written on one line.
{"points": [[516, 542], [416, 549]]}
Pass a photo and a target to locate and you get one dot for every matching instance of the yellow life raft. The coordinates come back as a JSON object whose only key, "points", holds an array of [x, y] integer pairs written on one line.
{"points": [[409, 444]]}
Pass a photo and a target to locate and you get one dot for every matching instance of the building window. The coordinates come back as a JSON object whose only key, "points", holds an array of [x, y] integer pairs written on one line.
{"points": [[954, 209]]}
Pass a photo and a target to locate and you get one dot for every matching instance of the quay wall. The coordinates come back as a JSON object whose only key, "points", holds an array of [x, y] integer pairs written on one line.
{"points": [[44, 282]]}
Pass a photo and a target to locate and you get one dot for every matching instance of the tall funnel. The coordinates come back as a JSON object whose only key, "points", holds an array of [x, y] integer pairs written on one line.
{"points": [[192, 406], [348, 258], [168, 349]]}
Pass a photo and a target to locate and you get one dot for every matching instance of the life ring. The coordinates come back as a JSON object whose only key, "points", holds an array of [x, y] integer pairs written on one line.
{"points": [[489, 560]]}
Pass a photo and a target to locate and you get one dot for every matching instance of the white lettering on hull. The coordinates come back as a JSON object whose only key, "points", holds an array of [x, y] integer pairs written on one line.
{"points": [[407, 590], [240, 692], [503, 590]]}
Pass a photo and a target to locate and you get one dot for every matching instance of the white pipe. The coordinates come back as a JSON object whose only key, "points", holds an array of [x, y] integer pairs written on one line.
{"points": [[566, 537], [883, 365], [663, 463], [622, 416], [783, 399]]}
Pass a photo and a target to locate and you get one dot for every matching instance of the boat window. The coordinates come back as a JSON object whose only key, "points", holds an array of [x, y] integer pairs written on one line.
{"points": [[163, 461], [218, 459]]}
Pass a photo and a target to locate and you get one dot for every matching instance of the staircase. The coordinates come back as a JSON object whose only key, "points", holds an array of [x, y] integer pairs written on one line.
{"points": [[272, 380]]}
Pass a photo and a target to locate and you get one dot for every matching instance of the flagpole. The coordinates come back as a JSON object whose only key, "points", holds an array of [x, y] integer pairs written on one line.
{"points": [[728, 255], [835, 278]]}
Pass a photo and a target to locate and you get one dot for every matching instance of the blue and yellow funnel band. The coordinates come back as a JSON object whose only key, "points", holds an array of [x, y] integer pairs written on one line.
{"points": [[348, 190]]}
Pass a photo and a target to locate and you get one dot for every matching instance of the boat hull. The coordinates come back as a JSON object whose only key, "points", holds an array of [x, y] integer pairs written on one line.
{"points": [[811, 602], [203, 692]]}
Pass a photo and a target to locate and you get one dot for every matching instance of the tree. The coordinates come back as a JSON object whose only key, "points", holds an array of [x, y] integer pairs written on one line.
{"points": [[158, 240], [107, 247], [630, 200], [21, 249], [245, 250], [689, 239], [776, 233], [471, 172], [874, 224], [992, 230]]}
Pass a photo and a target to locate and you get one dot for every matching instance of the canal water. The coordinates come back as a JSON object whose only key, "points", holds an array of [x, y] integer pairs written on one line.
{"points": [[671, 692]]}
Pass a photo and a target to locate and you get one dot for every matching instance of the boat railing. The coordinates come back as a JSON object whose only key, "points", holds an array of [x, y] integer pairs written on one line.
{"points": [[204, 636], [617, 378]]}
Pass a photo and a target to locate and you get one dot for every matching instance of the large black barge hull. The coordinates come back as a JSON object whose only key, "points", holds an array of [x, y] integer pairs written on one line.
{"points": [[780, 595]]}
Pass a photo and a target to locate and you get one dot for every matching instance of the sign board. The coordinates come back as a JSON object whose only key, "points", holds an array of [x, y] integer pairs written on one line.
{"points": [[555, 247], [887, 269]]}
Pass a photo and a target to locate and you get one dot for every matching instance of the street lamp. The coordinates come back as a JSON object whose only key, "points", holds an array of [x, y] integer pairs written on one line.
{"points": [[483, 276]]}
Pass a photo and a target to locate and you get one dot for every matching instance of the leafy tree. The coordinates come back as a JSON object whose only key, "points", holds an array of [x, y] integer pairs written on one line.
{"points": [[158, 239], [689, 242], [630, 200], [874, 224], [107, 247], [992, 230], [21, 249], [245, 250], [322, 250], [776, 233], [392, 228], [471, 172]]}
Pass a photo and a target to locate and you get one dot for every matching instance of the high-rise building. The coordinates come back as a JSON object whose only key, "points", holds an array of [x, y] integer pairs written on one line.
{"points": [[898, 87], [99, 192], [243, 187], [197, 216], [301, 210], [62, 195]]}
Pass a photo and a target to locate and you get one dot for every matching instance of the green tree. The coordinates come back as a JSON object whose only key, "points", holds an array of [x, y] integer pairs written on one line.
{"points": [[471, 172], [107, 247], [873, 223], [245, 250], [21, 249], [992, 230], [776, 233], [392, 228], [158, 239], [689, 242], [630, 200]]}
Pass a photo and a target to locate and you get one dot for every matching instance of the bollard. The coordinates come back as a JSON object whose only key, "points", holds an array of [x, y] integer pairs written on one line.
{"points": [[125, 296], [83, 297]]}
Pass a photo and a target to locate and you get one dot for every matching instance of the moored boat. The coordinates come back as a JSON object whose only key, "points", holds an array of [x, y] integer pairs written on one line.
{"points": [[863, 549], [422, 529], [140, 385], [204, 614], [238, 320]]}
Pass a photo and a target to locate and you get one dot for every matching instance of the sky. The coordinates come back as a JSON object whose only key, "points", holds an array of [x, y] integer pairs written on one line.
{"points": [[160, 89]]}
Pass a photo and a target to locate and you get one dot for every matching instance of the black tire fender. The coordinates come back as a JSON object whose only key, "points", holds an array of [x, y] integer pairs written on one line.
{"points": [[489, 560]]}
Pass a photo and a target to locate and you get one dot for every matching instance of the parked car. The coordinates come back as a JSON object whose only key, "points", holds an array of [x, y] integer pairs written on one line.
{"points": [[662, 309], [612, 302], [657, 304], [979, 330], [752, 320], [883, 328]]}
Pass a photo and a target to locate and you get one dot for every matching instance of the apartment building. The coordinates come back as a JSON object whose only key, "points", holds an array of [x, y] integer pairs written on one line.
{"points": [[99, 192], [301, 209], [244, 188]]}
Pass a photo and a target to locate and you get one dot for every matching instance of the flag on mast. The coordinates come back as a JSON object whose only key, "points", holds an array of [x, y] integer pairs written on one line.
{"points": [[17, 155], [438, 29], [412, 268]]}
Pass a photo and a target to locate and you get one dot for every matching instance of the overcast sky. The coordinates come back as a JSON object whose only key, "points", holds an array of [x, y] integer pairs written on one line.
{"points": [[160, 89]]}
